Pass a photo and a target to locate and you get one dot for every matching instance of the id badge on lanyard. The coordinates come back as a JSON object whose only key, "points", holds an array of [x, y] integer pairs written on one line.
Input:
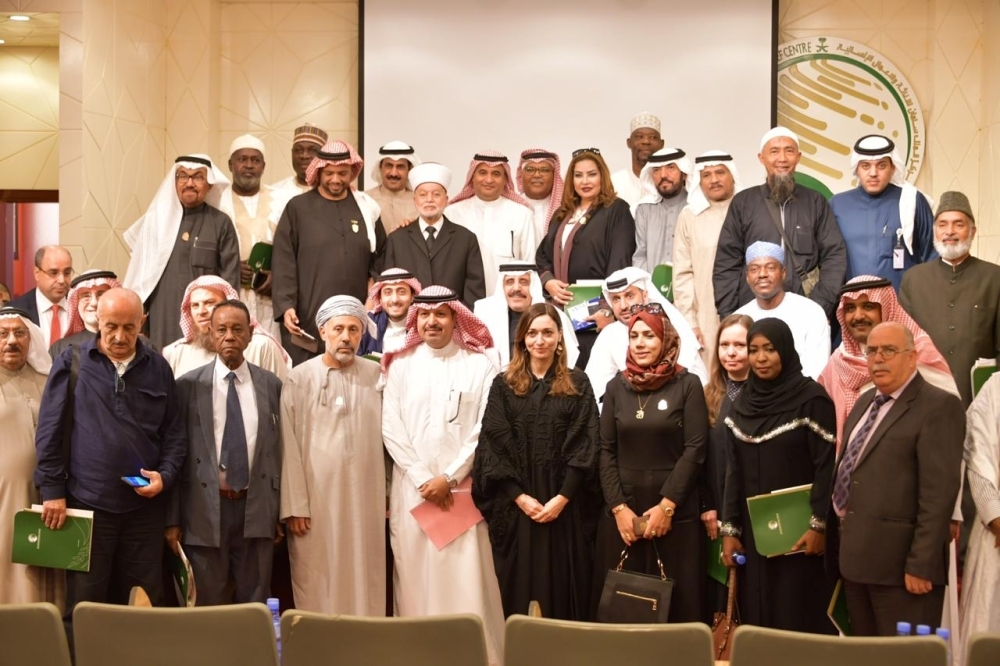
{"points": [[897, 251]]}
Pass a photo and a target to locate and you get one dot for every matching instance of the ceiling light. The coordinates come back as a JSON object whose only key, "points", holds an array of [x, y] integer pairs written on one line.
{"points": [[2, 41], [19, 17]]}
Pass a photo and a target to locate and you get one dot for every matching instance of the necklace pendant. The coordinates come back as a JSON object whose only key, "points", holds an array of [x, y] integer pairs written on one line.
{"points": [[640, 414]]}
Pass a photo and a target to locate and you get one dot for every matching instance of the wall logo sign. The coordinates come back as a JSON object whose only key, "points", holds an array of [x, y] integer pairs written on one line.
{"points": [[833, 91]]}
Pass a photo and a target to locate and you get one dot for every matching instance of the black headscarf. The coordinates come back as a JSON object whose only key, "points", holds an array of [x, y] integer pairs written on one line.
{"points": [[766, 404]]}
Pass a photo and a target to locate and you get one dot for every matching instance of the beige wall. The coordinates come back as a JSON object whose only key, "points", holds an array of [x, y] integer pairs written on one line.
{"points": [[29, 118]]}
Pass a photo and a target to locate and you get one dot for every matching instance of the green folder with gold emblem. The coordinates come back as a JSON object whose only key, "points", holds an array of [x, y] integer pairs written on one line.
{"points": [[779, 519], [260, 257], [66, 548], [716, 568]]}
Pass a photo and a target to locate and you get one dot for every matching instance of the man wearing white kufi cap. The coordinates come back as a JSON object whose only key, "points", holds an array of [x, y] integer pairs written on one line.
{"points": [[643, 140], [333, 470], [790, 215], [255, 210], [435, 249], [712, 187], [24, 367], [517, 290], [887, 225], [665, 173], [182, 236], [624, 289], [491, 208], [392, 187]]}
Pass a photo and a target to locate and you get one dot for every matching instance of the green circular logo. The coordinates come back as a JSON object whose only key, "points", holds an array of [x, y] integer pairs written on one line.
{"points": [[833, 91]]}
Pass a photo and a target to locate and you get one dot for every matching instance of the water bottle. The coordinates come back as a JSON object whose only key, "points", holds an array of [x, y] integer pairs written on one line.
{"points": [[903, 628], [945, 635], [739, 558], [923, 630], [272, 605]]}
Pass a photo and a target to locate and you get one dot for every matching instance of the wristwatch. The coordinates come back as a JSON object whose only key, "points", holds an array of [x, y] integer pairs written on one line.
{"points": [[607, 313], [667, 511], [452, 483]]}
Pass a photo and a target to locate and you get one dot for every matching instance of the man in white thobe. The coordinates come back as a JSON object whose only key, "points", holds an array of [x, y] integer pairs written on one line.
{"points": [[643, 140], [392, 190], [623, 290], [713, 185], [520, 288], [806, 318], [434, 399], [666, 173], [333, 471], [540, 182], [489, 207]]}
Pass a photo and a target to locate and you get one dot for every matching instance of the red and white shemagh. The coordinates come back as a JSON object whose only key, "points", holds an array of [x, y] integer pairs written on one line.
{"points": [[470, 331], [375, 293], [76, 324], [851, 367], [333, 148], [508, 187], [220, 285], [555, 199]]}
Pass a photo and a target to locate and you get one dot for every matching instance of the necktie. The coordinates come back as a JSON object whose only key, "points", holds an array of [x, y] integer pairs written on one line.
{"points": [[234, 460], [842, 484], [55, 330], [430, 239]]}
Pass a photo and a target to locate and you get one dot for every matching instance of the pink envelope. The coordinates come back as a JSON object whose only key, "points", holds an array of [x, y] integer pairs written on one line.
{"points": [[443, 527]]}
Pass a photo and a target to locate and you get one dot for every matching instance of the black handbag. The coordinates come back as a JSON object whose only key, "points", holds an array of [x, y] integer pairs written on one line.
{"points": [[635, 598]]}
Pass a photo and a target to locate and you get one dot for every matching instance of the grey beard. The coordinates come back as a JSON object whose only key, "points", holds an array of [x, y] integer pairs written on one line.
{"points": [[782, 188], [246, 184], [204, 340]]}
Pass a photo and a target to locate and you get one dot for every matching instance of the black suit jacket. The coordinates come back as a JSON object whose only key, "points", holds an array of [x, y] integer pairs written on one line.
{"points": [[26, 302], [903, 490], [455, 262]]}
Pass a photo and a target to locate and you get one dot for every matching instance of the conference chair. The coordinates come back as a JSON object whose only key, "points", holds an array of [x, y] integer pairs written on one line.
{"points": [[32, 634], [757, 646], [534, 641], [984, 650], [238, 634], [315, 639]]}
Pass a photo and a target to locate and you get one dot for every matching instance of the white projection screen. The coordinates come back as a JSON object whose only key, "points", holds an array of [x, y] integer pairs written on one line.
{"points": [[452, 77]]}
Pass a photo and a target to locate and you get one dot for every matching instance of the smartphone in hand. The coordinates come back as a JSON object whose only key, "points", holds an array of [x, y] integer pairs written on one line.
{"points": [[136, 481]]}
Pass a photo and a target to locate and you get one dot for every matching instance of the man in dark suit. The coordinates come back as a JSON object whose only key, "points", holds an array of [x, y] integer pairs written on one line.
{"points": [[225, 508], [434, 249], [895, 486], [46, 304]]}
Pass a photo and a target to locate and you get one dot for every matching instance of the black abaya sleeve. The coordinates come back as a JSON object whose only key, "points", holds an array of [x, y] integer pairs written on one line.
{"points": [[823, 454], [580, 449], [732, 493], [684, 477], [498, 468], [611, 483]]}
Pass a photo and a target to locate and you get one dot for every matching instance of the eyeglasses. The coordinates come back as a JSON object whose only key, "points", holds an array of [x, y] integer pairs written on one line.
{"points": [[888, 353], [55, 273], [651, 308], [578, 151], [196, 178], [531, 171], [119, 383]]}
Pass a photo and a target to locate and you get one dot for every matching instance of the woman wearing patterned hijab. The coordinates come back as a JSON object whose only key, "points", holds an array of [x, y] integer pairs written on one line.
{"points": [[653, 430], [781, 434]]}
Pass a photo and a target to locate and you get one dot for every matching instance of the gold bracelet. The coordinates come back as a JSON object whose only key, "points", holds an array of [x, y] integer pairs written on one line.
{"points": [[618, 509]]}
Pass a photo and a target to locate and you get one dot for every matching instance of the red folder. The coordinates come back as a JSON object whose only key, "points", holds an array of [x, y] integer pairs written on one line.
{"points": [[443, 527]]}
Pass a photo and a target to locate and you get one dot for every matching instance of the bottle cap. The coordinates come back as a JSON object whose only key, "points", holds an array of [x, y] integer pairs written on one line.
{"points": [[943, 633], [903, 628], [923, 630], [273, 604]]}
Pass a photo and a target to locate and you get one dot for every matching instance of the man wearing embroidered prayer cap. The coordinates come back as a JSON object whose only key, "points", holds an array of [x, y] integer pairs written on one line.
{"points": [[713, 185], [183, 235], [254, 209], [644, 139], [887, 225], [434, 399], [435, 249], [519, 289], [390, 300], [24, 366], [197, 347], [540, 182], [781, 212], [224, 510], [623, 290], [84, 292], [666, 173], [392, 184], [807, 321], [333, 472], [329, 240], [489, 207], [306, 141]]}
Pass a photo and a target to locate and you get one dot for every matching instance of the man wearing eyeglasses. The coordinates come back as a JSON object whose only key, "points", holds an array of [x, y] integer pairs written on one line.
{"points": [[894, 487], [46, 304], [182, 236], [540, 182]]}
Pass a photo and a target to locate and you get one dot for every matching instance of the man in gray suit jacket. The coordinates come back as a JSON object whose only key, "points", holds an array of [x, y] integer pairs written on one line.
{"points": [[224, 509], [894, 489]]}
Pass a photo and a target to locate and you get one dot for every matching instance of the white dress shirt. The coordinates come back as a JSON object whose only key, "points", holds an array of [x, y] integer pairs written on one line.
{"points": [[248, 405]]}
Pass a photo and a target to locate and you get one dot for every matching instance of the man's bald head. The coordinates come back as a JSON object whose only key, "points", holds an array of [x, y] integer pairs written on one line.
{"points": [[53, 271], [119, 320], [892, 359]]}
